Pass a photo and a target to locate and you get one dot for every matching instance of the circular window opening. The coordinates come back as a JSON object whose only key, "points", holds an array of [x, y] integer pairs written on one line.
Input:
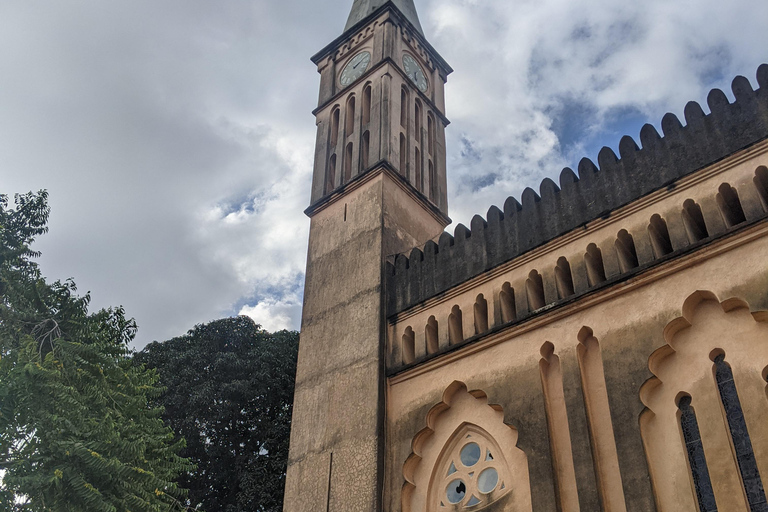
{"points": [[488, 480], [470, 454], [456, 491]]}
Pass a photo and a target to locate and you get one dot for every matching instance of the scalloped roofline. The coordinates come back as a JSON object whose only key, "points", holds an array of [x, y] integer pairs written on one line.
{"points": [[597, 190]]}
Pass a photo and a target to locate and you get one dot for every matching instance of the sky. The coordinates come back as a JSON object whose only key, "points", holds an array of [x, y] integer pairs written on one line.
{"points": [[175, 137]]}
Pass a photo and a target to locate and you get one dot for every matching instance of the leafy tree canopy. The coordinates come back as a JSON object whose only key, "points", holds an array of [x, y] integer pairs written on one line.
{"points": [[230, 394], [77, 432]]}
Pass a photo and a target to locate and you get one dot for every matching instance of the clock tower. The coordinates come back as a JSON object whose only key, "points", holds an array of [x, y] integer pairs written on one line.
{"points": [[378, 189]]}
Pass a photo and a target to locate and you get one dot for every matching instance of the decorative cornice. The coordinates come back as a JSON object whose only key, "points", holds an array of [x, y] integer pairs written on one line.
{"points": [[380, 167]]}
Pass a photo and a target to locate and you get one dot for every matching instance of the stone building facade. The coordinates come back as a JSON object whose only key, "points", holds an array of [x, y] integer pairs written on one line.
{"points": [[599, 345]]}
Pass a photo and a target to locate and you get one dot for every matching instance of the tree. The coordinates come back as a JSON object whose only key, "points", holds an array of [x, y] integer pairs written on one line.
{"points": [[229, 392], [77, 431]]}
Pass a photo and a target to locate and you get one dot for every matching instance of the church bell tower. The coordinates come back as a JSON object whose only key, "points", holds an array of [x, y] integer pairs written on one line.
{"points": [[378, 189]]}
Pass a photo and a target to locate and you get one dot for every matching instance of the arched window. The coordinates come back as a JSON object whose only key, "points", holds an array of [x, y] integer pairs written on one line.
{"points": [[745, 454], [466, 458], [335, 127], [330, 177], [403, 156], [473, 474], [431, 134], [534, 287], [564, 278], [761, 184], [431, 335], [455, 326], [696, 458], [409, 346], [367, 105], [417, 169], [507, 299], [481, 314], [365, 150], [404, 108], [660, 241], [594, 262], [625, 248], [350, 117], [730, 206], [693, 220], [432, 183], [348, 163], [417, 121]]}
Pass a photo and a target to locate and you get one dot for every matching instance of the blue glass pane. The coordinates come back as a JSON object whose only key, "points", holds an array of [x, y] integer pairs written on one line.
{"points": [[470, 454], [487, 480], [456, 491]]}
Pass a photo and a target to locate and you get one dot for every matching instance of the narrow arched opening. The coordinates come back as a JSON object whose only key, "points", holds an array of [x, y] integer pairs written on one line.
{"points": [[593, 260], [417, 169], [404, 108], [693, 220], [330, 177], [659, 233], [431, 334], [563, 278], [350, 116], [761, 184], [431, 134], [455, 326], [481, 314], [409, 346], [367, 93], [403, 156], [335, 116], [534, 288], [730, 206], [507, 300], [432, 182], [365, 148], [625, 248], [417, 121], [348, 163]]}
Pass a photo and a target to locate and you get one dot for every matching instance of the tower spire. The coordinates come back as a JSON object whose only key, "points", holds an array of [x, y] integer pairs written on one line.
{"points": [[363, 8]]}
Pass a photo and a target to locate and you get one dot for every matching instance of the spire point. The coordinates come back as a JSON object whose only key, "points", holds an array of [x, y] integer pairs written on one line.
{"points": [[363, 8]]}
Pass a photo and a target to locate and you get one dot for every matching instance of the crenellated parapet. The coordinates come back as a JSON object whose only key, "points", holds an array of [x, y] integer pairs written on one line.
{"points": [[595, 193]]}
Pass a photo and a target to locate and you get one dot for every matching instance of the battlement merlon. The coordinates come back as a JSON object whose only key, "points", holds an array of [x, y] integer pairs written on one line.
{"points": [[597, 191]]}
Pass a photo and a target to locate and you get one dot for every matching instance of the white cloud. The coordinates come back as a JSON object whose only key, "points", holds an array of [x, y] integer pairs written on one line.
{"points": [[176, 139]]}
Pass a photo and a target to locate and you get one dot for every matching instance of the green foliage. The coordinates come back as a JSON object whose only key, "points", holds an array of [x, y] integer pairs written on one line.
{"points": [[77, 432], [230, 394]]}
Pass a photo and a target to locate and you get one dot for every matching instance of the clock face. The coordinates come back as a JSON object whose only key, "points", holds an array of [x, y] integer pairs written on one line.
{"points": [[414, 72], [355, 68]]}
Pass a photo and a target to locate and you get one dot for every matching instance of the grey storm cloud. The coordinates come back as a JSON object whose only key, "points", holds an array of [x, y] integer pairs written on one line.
{"points": [[176, 140]]}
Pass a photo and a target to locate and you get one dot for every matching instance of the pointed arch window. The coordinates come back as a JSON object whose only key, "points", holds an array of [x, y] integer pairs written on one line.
{"points": [[432, 182], [335, 116], [431, 134], [350, 118], [417, 168], [404, 108], [365, 151], [330, 178], [417, 121], [403, 156], [471, 474], [367, 93]]}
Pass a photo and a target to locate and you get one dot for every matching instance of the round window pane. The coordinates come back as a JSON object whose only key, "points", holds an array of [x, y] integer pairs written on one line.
{"points": [[488, 480], [470, 454], [456, 491]]}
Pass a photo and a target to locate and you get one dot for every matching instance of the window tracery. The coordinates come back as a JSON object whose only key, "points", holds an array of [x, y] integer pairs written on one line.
{"points": [[472, 473]]}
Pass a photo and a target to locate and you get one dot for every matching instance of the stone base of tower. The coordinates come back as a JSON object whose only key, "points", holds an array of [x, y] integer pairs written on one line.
{"points": [[336, 456]]}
